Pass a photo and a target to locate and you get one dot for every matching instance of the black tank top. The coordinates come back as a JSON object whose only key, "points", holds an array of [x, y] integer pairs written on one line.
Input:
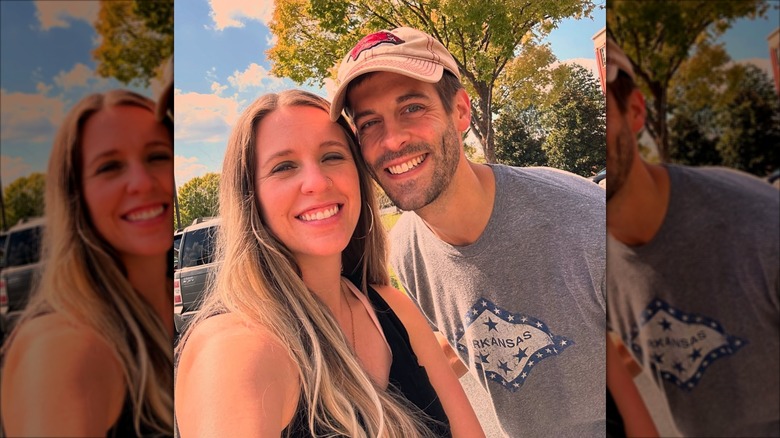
{"points": [[407, 377]]}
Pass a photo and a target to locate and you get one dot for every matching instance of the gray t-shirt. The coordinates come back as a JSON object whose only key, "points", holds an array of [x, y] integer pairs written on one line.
{"points": [[524, 305], [698, 304]]}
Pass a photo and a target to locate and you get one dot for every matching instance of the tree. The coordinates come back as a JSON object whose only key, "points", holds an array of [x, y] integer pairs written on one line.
{"points": [[483, 37], [689, 144], [24, 198], [199, 197], [576, 123], [750, 123], [657, 37], [137, 36], [519, 137]]}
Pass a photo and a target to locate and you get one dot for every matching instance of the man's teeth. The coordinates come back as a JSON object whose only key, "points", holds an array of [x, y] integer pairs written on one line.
{"points": [[145, 214], [405, 167], [320, 215]]}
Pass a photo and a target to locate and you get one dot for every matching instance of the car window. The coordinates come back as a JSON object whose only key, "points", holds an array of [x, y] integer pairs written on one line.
{"points": [[24, 247], [2, 250], [197, 247]]}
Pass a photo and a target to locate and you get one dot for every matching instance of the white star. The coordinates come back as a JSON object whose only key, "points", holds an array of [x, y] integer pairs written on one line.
{"points": [[539, 324], [516, 385], [484, 303], [672, 311], [685, 317], [497, 311], [524, 319], [698, 319], [713, 325], [538, 354], [737, 342], [475, 312], [510, 318], [492, 375], [563, 342], [524, 374], [530, 363], [548, 351], [556, 351]]}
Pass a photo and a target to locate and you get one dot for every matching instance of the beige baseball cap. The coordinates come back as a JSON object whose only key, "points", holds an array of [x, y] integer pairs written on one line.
{"points": [[403, 50], [616, 61]]}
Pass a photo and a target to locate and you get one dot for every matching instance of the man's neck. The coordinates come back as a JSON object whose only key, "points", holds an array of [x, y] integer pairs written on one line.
{"points": [[637, 211], [461, 213]]}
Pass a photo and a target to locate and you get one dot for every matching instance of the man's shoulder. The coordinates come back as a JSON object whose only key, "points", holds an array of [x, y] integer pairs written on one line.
{"points": [[546, 180], [725, 179]]}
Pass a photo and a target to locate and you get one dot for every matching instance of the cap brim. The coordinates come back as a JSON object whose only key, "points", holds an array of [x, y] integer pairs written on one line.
{"points": [[421, 70]]}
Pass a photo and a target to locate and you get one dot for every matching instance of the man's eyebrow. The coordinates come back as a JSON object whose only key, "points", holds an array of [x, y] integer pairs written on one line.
{"points": [[399, 100]]}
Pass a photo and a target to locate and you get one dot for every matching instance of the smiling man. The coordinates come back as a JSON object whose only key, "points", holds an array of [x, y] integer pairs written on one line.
{"points": [[506, 263], [693, 276]]}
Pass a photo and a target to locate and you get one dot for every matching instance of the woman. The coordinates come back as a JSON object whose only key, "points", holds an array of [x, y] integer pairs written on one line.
{"points": [[284, 344], [91, 355]]}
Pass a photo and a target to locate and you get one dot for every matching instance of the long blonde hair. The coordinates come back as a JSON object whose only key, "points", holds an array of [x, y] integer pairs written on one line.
{"points": [[84, 280], [259, 280]]}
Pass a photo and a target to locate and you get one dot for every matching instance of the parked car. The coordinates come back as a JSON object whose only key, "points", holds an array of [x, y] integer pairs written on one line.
{"points": [[196, 266], [602, 175], [3, 236], [21, 267], [176, 241]]}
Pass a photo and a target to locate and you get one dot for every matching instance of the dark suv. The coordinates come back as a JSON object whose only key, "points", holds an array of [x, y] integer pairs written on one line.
{"points": [[20, 270], [196, 263]]}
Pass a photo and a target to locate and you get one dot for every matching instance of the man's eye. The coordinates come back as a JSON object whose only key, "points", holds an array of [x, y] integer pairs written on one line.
{"points": [[368, 124], [413, 108]]}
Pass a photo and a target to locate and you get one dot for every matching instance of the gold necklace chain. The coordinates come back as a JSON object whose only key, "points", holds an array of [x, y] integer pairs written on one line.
{"points": [[351, 318]]}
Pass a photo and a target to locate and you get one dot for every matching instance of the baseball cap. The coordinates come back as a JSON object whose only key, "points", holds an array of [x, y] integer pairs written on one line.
{"points": [[616, 61], [403, 50]]}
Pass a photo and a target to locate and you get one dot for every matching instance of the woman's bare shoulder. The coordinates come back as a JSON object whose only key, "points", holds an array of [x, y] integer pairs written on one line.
{"points": [[232, 369], [53, 359]]}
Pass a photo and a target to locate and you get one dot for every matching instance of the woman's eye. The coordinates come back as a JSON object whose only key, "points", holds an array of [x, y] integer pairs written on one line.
{"points": [[108, 166], [333, 156], [282, 167], [160, 156]]}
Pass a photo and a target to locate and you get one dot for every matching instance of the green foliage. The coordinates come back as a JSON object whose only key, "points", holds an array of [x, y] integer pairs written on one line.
{"points": [[24, 198], [576, 124], [689, 145], [749, 123], [199, 197], [136, 37], [519, 137], [314, 35], [657, 37]]}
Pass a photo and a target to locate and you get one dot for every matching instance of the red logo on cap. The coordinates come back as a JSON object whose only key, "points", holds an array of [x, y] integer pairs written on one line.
{"points": [[373, 40]]}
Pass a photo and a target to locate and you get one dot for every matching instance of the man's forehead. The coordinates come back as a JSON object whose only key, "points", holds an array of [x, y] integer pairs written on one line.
{"points": [[387, 86]]}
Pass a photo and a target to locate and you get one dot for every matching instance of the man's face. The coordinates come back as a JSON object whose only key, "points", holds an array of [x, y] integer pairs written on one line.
{"points": [[621, 146], [411, 145]]}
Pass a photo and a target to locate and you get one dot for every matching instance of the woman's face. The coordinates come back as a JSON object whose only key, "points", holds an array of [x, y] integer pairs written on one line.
{"points": [[127, 179], [307, 181]]}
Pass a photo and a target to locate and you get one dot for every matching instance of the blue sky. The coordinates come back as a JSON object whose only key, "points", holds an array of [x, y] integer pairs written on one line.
{"points": [[221, 67], [45, 68]]}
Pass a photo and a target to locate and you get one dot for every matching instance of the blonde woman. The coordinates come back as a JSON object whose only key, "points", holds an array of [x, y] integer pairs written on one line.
{"points": [[92, 353], [300, 334]]}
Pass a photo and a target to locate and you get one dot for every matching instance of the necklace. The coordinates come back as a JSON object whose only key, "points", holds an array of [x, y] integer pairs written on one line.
{"points": [[351, 319]]}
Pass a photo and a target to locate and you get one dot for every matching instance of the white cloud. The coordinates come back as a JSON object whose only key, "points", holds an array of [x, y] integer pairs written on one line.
{"points": [[234, 13], [218, 88], [31, 118], [187, 168], [42, 88], [255, 76], [203, 117], [12, 168], [52, 14], [78, 76]]}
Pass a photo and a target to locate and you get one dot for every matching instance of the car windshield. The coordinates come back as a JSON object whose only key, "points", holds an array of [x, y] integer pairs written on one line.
{"points": [[23, 247], [197, 247]]}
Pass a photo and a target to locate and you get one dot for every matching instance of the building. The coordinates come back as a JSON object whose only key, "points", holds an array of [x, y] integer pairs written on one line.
{"points": [[600, 47], [774, 55]]}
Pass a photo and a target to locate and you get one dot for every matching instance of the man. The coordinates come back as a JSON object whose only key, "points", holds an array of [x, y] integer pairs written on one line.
{"points": [[693, 277], [506, 263]]}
